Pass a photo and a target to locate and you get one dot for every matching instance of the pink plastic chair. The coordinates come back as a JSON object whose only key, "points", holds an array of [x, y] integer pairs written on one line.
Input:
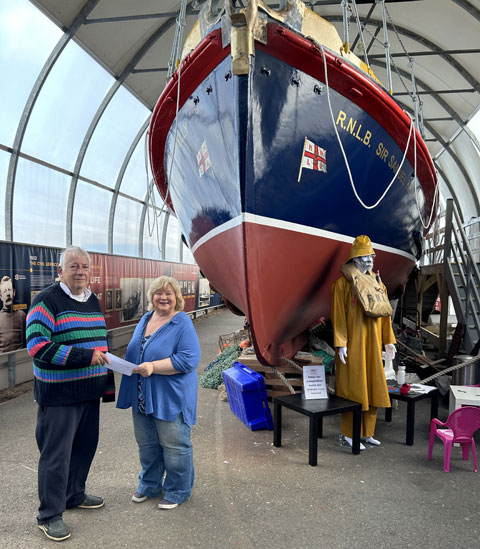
{"points": [[460, 426]]}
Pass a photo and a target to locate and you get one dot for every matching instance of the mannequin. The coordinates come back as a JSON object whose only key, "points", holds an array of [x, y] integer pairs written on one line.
{"points": [[358, 341]]}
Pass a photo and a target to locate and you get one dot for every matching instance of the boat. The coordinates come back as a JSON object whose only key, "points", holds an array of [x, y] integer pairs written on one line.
{"points": [[275, 146]]}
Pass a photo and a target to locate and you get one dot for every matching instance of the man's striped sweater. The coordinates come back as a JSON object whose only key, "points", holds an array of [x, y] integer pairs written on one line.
{"points": [[62, 334]]}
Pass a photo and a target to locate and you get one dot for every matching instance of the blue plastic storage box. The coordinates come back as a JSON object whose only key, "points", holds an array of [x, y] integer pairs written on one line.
{"points": [[247, 396]]}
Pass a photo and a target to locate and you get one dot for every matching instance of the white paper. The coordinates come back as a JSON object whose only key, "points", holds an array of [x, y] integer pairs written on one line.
{"points": [[120, 365], [314, 384], [419, 388]]}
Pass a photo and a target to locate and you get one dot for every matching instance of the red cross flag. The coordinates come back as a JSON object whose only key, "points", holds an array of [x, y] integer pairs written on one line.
{"points": [[313, 158], [203, 159]]}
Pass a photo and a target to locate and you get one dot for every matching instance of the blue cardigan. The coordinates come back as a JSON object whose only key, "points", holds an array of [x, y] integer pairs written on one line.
{"points": [[165, 395]]}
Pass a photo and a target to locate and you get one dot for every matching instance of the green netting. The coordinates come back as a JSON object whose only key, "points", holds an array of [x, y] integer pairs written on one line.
{"points": [[328, 360], [212, 376]]}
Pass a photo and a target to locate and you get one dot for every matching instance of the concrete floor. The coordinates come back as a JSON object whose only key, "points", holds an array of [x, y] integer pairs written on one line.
{"points": [[249, 494]]}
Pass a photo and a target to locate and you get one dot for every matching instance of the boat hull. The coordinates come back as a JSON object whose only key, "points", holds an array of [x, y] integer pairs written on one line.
{"points": [[266, 229]]}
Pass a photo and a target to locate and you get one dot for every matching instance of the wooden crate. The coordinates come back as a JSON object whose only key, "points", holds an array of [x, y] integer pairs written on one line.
{"points": [[275, 386]]}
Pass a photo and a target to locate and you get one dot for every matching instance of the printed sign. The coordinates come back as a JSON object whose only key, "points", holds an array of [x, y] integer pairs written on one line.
{"points": [[314, 382]]}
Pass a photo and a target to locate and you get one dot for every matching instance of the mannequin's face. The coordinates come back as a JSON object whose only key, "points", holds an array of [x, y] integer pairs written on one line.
{"points": [[364, 262]]}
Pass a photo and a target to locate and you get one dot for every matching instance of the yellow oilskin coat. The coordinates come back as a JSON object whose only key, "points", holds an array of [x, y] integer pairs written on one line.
{"points": [[362, 379]]}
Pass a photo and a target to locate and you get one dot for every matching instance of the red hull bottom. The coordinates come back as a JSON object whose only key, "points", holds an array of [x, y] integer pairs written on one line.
{"points": [[281, 279]]}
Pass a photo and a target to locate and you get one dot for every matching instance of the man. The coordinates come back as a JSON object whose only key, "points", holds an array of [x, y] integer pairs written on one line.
{"points": [[67, 338], [12, 323]]}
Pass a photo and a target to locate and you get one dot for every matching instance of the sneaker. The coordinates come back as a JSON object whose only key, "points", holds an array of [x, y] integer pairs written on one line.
{"points": [[138, 497], [165, 504], [91, 502], [372, 441], [56, 530]]}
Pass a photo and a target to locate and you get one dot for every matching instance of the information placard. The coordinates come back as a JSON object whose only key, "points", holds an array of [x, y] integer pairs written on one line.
{"points": [[314, 382]]}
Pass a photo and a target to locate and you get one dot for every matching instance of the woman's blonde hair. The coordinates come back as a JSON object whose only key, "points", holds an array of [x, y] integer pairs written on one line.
{"points": [[162, 283]]}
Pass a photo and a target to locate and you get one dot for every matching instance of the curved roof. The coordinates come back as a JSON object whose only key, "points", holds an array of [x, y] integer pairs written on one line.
{"points": [[133, 40]]}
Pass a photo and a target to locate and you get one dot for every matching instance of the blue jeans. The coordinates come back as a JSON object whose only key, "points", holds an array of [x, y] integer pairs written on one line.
{"points": [[165, 449]]}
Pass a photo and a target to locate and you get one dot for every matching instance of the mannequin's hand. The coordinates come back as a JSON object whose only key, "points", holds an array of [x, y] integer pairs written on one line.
{"points": [[390, 351], [342, 354]]}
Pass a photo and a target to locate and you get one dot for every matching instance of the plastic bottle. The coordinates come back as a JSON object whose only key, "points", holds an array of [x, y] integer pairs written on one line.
{"points": [[401, 374]]}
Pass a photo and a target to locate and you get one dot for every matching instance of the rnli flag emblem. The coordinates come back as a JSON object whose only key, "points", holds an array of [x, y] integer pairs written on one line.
{"points": [[313, 158], [203, 159]]}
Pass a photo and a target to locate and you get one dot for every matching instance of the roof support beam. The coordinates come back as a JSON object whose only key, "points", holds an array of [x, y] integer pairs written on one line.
{"points": [[439, 138], [425, 53], [118, 184], [108, 97], [140, 17], [29, 105], [427, 44]]}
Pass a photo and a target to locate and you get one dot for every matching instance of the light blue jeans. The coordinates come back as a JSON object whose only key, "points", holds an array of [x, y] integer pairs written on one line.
{"points": [[165, 449]]}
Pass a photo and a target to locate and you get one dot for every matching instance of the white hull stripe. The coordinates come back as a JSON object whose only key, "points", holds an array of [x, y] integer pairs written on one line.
{"points": [[288, 226]]}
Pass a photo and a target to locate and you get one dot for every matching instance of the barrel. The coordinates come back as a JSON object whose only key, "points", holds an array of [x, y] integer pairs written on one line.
{"points": [[468, 375]]}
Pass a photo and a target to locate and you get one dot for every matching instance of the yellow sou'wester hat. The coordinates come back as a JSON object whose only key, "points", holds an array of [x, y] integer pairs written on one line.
{"points": [[361, 246]]}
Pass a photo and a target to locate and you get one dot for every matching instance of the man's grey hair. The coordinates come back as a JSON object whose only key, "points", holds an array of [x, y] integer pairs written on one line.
{"points": [[72, 250]]}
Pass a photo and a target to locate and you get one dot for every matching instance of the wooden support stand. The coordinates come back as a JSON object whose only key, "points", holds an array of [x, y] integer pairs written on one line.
{"points": [[275, 386]]}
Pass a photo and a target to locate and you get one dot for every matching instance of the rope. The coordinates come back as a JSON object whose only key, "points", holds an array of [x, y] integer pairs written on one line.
{"points": [[284, 379], [436, 202], [450, 369], [291, 363], [411, 131], [343, 150]]}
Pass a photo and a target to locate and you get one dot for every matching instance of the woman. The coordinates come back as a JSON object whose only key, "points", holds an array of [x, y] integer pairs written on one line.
{"points": [[162, 392]]}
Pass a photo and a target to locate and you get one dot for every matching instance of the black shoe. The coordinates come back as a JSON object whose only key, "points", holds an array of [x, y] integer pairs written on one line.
{"points": [[138, 497], [92, 502], [165, 504], [56, 530]]}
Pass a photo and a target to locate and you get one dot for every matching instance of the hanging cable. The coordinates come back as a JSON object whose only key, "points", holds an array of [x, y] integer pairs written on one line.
{"points": [[177, 40], [360, 31], [386, 46]]}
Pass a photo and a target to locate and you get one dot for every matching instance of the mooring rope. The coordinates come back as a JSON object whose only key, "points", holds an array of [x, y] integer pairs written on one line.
{"points": [[343, 150], [284, 379], [450, 369], [291, 363]]}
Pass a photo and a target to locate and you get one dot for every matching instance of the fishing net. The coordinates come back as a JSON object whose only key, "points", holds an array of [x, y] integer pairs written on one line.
{"points": [[212, 375]]}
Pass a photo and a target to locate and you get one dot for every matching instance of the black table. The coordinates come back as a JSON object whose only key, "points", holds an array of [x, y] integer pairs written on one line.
{"points": [[411, 400], [315, 409]]}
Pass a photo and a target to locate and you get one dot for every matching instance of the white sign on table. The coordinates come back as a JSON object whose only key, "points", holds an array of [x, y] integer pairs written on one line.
{"points": [[314, 382]]}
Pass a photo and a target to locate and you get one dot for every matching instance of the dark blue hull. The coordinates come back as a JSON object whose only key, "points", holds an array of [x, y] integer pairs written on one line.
{"points": [[234, 160]]}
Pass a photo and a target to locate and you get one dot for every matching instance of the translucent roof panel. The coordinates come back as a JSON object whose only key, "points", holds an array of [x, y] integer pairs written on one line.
{"points": [[172, 250], [90, 217], [39, 204], [187, 255], [27, 38], [152, 235], [138, 174], [474, 126], [112, 138], [126, 227], [4, 161], [62, 114]]}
